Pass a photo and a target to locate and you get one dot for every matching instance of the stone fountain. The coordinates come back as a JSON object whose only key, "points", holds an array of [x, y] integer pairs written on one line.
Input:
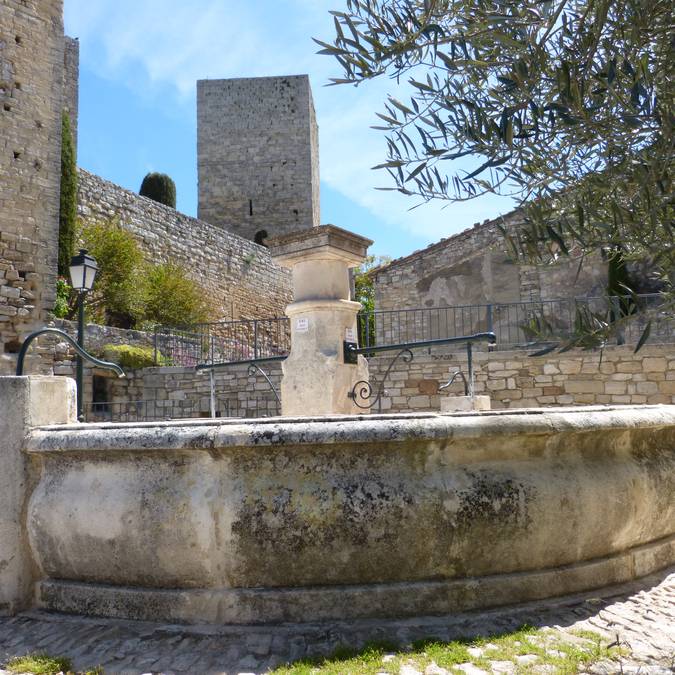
{"points": [[322, 514]]}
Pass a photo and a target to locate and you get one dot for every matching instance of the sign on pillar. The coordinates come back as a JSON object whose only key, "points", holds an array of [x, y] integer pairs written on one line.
{"points": [[316, 376]]}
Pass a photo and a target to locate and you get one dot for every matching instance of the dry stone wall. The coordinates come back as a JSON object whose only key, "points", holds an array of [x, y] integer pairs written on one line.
{"points": [[240, 277], [31, 98], [258, 156]]}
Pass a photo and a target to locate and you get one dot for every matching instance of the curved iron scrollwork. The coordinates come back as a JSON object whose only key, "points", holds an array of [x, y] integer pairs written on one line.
{"points": [[451, 381], [364, 390], [85, 355], [254, 368]]}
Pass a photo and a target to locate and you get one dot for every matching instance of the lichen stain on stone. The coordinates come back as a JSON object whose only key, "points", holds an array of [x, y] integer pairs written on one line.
{"points": [[294, 519], [494, 500]]}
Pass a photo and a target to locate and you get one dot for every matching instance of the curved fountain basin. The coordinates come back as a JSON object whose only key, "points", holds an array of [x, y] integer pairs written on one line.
{"points": [[393, 515]]}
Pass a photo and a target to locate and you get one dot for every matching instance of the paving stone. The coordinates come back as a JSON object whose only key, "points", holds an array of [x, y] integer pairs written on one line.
{"points": [[470, 669], [638, 616]]}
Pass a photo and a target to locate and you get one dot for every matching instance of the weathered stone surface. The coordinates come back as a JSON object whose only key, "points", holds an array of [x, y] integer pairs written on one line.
{"points": [[31, 99], [24, 403], [240, 278], [317, 379], [348, 517], [464, 403], [258, 155], [473, 268]]}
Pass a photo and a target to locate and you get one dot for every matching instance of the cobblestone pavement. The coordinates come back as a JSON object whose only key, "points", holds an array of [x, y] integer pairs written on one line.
{"points": [[640, 615]]}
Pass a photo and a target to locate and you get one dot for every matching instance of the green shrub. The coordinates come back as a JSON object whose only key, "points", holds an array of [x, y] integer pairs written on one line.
{"points": [[160, 187], [63, 306], [118, 298], [68, 205], [173, 299], [132, 357]]}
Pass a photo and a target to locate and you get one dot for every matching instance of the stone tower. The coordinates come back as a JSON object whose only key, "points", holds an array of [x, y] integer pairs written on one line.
{"points": [[258, 156], [31, 101]]}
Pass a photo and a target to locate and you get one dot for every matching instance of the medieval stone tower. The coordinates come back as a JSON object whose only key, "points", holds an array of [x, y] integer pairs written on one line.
{"points": [[32, 49], [257, 153]]}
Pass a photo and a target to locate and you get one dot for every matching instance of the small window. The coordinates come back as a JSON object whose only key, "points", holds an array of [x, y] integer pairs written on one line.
{"points": [[100, 394], [12, 347], [260, 237], [250, 207]]}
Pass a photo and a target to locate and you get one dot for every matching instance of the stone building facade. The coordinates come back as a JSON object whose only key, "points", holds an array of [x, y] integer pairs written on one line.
{"points": [[258, 155], [472, 267], [31, 101], [466, 283], [240, 278]]}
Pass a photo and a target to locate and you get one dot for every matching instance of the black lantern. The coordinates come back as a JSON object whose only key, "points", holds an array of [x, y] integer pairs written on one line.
{"points": [[83, 270]]}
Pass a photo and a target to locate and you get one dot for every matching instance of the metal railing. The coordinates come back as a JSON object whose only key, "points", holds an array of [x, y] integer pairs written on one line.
{"points": [[223, 341], [262, 338], [511, 321], [153, 410]]}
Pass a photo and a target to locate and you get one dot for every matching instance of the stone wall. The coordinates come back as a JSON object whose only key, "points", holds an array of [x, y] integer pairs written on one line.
{"points": [[257, 154], [472, 268], [31, 99], [513, 379], [71, 83], [239, 277]]}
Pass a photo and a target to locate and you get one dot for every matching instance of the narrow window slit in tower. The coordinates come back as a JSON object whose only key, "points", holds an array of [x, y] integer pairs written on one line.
{"points": [[250, 207]]}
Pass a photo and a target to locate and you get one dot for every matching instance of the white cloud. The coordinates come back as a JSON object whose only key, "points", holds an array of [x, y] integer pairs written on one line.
{"points": [[171, 43]]}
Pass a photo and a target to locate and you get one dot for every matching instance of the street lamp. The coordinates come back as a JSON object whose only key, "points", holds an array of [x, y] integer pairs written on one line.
{"points": [[83, 270]]}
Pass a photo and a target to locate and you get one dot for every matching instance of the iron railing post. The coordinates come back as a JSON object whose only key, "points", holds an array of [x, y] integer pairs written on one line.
{"points": [[489, 319], [79, 375], [615, 305], [256, 351], [469, 357], [212, 400], [155, 360]]}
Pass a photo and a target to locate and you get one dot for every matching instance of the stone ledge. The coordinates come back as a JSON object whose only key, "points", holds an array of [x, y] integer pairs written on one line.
{"points": [[321, 603]]}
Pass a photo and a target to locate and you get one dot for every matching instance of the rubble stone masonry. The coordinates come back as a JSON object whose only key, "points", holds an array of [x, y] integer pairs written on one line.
{"points": [[472, 267], [258, 156], [31, 97], [240, 278]]}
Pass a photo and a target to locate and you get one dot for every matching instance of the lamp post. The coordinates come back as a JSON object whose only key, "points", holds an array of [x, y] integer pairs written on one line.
{"points": [[83, 270]]}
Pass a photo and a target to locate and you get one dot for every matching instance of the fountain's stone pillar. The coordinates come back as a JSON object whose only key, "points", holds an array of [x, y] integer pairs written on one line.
{"points": [[25, 402], [316, 379]]}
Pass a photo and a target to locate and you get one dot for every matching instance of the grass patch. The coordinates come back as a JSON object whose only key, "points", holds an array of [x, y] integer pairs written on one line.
{"points": [[39, 664], [549, 647], [44, 664]]}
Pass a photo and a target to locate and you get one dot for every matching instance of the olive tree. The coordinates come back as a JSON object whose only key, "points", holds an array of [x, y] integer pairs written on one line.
{"points": [[566, 105]]}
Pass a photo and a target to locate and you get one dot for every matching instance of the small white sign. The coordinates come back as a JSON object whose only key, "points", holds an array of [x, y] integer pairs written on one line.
{"points": [[301, 325], [350, 335]]}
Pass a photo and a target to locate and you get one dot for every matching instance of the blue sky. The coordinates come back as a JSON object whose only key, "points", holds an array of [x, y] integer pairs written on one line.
{"points": [[139, 63]]}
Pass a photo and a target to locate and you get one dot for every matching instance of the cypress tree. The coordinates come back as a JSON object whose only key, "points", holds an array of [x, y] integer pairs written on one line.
{"points": [[160, 187], [68, 207]]}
